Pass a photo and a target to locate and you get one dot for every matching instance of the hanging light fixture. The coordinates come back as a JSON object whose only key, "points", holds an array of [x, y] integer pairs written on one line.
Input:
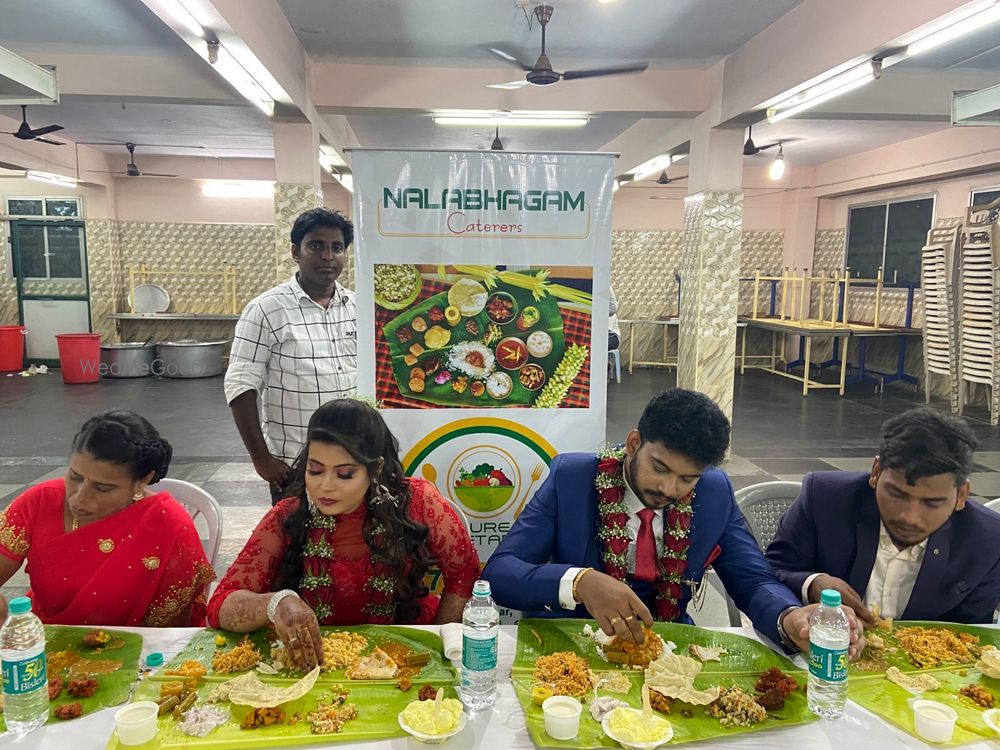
{"points": [[497, 145], [777, 170]]}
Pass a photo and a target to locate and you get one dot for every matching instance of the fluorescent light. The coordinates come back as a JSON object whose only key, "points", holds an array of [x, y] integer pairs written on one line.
{"points": [[956, 25], [777, 170], [650, 167], [824, 92], [183, 16], [616, 186], [51, 179], [230, 69], [513, 121], [237, 188], [677, 157]]}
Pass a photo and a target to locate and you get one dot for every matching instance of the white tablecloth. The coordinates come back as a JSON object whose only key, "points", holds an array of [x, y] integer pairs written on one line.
{"points": [[503, 727]]}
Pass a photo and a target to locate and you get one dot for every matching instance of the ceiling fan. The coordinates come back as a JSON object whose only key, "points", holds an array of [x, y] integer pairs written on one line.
{"points": [[27, 133], [752, 149], [664, 179], [131, 169], [542, 74]]}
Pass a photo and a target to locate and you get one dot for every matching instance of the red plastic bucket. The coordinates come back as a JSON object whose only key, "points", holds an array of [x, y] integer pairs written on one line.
{"points": [[80, 357], [11, 348]]}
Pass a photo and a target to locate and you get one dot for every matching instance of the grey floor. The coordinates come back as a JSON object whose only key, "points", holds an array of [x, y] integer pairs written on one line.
{"points": [[777, 434]]}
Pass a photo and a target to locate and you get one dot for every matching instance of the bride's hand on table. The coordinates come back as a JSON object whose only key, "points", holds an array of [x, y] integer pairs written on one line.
{"points": [[796, 626], [614, 605], [298, 629]]}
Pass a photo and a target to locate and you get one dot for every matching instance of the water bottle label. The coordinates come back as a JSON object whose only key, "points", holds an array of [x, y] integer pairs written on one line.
{"points": [[23, 676], [479, 655], [828, 664]]}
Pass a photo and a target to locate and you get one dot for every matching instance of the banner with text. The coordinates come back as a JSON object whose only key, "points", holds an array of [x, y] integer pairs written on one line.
{"points": [[482, 283]]}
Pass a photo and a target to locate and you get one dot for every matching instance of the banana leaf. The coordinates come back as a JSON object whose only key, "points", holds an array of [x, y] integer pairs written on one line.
{"points": [[378, 711], [113, 687], [892, 702], [443, 394], [202, 648], [741, 667]]}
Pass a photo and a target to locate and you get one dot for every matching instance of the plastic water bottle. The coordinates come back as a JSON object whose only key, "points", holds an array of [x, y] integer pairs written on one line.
{"points": [[480, 628], [22, 654], [829, 639]]}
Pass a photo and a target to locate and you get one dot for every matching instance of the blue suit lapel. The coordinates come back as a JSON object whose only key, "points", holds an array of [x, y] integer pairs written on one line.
{"points": [[866, 539], [935, 592]]}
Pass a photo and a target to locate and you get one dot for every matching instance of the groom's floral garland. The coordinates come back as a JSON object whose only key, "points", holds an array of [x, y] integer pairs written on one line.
{"points": [[614, 515]]}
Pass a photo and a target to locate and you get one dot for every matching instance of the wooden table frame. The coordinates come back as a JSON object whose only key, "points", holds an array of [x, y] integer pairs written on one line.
{"points": [[666, 323], [806, 335]]}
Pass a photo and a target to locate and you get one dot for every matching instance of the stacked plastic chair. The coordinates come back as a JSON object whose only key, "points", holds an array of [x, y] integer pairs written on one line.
{"points": [[938, 280], [980, 305]]}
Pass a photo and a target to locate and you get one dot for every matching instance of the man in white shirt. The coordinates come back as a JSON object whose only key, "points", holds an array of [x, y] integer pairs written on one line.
{"points": [[902, 541], [295, 348]]}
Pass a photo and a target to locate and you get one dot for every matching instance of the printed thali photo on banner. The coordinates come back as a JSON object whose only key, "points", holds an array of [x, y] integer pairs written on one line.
{"points": [[482, 279], [479, 337]]}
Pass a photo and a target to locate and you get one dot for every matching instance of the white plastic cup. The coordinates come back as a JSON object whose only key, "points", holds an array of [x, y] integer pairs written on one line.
{"points": [[562, 717], [136, 723], [934, 722]]}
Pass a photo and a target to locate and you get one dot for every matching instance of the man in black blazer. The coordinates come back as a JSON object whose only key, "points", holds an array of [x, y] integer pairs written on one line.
{"points": [[902, 541]]}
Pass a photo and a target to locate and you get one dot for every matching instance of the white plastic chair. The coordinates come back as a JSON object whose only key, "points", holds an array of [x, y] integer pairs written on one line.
{"points": [[993, 505], [615, 354], [762, 505], [197, 502]]}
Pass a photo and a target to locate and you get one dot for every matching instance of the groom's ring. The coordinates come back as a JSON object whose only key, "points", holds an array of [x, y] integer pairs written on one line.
{"points": [[630, 617], [614, 620]]}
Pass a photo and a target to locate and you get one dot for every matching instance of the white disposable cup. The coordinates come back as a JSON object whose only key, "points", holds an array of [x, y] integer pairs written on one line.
{"points": [[934, 722], [136, 722], [562, 717]]}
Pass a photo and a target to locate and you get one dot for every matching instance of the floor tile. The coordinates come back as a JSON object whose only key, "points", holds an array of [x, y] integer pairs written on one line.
{"points": [[985, 484], [239, 522], [235, 473], [792, 465], [850, 464], [990, 459], [788, 477], [26, 474], [739, 466], [741, 482], [239, 493]]}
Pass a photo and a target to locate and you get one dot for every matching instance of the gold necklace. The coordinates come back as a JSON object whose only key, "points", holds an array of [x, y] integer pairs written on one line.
{"points": [[76, 523]]}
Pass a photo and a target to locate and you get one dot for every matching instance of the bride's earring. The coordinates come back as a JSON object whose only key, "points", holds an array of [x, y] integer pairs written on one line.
{"points": [[137, 497]]}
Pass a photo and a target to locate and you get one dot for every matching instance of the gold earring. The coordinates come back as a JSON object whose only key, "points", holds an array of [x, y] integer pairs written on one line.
{"points": [[137, 497]]}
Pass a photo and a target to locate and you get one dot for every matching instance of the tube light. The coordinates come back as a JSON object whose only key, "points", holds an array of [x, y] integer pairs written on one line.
{"points": [[51, 179], [230, 69], [777, 170], [183, 16], [974, 17], [513, 121], [825, 91], [237, 188]]}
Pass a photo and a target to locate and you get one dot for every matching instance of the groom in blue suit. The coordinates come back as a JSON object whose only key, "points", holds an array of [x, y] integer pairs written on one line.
{"points": [[623, 536]]}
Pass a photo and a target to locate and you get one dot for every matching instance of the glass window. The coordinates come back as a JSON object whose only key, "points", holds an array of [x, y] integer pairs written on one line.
{"points": [[65, 260], [984, 197], [31, 252], [25, 207], [62, 207], [890, 235]]}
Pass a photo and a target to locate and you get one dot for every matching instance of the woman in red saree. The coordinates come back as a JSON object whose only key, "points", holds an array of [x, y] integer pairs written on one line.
{"points": [[102, 549], [351, 546]]}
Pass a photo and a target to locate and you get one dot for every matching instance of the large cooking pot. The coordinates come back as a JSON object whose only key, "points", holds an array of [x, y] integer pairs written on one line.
{"points": [[189, 359], [133, 359]]}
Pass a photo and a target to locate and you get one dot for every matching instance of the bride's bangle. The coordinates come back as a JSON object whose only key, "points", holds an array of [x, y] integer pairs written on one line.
{"points": [[272, 605]]}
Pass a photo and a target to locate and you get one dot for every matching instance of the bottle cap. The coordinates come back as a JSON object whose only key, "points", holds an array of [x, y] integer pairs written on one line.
{"points": [[154, 659], [20, 605], [830, 598], [481, 588]]}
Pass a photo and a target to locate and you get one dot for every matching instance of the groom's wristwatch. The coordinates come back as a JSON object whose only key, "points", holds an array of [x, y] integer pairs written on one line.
{"points": [[786, 641]]}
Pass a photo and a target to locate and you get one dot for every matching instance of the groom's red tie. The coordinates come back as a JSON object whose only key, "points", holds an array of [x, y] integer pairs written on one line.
{"points": [[645, 547]]}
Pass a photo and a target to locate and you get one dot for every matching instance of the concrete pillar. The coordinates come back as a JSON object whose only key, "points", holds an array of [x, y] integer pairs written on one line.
{"points": [[297, 185], [710, 264]]}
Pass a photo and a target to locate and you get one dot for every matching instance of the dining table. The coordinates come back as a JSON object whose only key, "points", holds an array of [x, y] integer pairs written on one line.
{"points": [[503, 726]]}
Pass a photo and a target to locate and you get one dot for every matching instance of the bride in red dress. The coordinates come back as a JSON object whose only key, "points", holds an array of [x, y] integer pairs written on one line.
{"points": [[351, 546]]}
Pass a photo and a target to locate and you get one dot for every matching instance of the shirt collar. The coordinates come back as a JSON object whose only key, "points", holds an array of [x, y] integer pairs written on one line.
{"points": [[632, 501], [300, 293], [914, 552]]}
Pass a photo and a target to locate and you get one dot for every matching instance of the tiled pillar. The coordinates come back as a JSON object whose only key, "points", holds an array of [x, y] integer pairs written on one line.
{"points": [[710, 266], [297, 188]]}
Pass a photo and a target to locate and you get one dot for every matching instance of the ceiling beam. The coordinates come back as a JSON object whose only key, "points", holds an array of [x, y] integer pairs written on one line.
{"points": [[977, 107], [23, 82]]}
